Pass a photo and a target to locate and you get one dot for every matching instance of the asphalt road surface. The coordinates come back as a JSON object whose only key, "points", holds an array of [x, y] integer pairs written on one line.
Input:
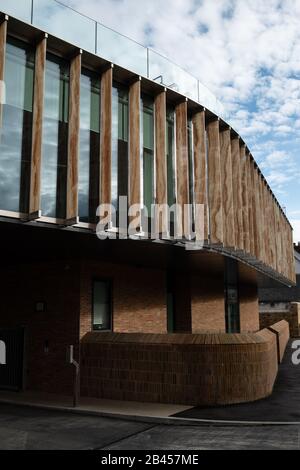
{"points": [[33, 429]]}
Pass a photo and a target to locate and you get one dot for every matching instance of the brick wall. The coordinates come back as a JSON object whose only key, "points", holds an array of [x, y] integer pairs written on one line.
{"points": [[207, 303], [139, 297], [179, 368], [249, 313], [56, 284]]}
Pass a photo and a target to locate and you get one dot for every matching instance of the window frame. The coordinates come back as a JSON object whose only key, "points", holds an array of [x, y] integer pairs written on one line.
{"points": [[109, 281]]}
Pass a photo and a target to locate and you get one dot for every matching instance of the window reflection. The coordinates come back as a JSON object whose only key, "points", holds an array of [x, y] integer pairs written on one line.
{"points": [[55, 138], [16, 130], [119, 144], [88, 181], [147, 139]]}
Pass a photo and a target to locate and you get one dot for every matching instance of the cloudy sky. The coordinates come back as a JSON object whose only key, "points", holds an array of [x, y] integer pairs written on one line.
{"points": [[247, 52]]}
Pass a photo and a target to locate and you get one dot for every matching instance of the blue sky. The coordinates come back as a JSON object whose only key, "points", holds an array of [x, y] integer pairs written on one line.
{"points": [[247, 52]]}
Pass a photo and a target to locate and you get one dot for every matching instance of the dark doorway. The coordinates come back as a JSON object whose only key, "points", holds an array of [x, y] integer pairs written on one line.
{"points": [[11, 373]]}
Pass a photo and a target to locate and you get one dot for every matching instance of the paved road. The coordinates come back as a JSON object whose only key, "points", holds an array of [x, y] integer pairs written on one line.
{"points": [[282, 405], [32, 428]]}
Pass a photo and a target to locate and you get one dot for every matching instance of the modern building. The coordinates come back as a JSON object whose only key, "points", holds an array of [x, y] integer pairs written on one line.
{"points": [[88, 116]]}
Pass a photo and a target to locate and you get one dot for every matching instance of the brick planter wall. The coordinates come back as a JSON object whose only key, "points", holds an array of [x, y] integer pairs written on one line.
{"points": [[186, 369], [282, 331]]}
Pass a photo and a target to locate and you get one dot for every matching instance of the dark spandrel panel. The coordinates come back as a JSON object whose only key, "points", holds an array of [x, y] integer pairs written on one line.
{"points": [[20, 9], [65, 23]]}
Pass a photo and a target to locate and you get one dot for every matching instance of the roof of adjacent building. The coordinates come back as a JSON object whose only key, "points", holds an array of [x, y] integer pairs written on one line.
{"points": [[271, 291]]}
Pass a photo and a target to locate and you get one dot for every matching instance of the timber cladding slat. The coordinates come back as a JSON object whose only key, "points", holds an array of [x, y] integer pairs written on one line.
{"points": [[179, 368], [182, 165], [245, 204], [106, 137], [161, 157], [37, 126], [214, 183], [3, 34], [134, 143], [200, 167], [227, 189], [237, 192]]}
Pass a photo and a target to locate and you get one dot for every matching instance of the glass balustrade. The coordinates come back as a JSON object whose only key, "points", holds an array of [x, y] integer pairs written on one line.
{"points": [[20, 9], [121, 50], [65, 23], [62, 21]]}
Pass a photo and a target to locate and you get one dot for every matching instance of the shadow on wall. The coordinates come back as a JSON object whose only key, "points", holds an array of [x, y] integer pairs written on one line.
{"points": [[189, 369]]}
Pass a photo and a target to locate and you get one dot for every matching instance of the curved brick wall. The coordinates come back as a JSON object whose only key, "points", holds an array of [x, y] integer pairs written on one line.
{"points": [[282, 331], [191, 369]]}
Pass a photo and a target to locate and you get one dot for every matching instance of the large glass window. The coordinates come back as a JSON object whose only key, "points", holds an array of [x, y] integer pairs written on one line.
{"points": [[88, 179], [102, 305], [119, 144], [147, 139], [16, 127], [232, 307], [55, 138]]}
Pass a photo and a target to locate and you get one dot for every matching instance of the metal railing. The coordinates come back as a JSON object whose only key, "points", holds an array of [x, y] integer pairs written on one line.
{"points": [[61, 21]]}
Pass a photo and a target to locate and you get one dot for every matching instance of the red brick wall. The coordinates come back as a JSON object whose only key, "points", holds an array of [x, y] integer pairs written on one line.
{"points": [[179, 368], [208, 307], [249, 313], [139, 297], [56, 284]]}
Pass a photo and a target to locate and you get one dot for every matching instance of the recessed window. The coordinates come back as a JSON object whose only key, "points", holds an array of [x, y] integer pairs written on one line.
{"points": [[55, 138], [88, 180], [16, 127], [147, 138], [119, 183], [102, 306]]}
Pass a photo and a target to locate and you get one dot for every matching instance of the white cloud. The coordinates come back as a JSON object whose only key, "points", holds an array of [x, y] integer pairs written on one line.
{"points": [[246, 52], [296, 226]]}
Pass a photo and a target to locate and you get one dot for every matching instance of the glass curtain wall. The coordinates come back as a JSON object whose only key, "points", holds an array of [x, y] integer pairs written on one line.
{"points": [[147, 142], [119, 145], [55, 138], [16, 127], [89, 155]]}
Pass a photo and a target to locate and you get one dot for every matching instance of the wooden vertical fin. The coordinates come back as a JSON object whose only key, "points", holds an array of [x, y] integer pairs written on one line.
{"points": [[37, 128], [161, 159], [134, 147], [73, 139], [214, 184], [227, 189], [182, 160], [106, 137], [200, 167]]}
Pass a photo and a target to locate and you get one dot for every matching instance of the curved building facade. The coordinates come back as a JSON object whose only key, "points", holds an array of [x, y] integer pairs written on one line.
{"points": [[78, 132]]}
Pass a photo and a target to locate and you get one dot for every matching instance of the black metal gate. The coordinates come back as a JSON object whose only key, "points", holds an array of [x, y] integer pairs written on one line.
{"points": [[12, 350]]}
